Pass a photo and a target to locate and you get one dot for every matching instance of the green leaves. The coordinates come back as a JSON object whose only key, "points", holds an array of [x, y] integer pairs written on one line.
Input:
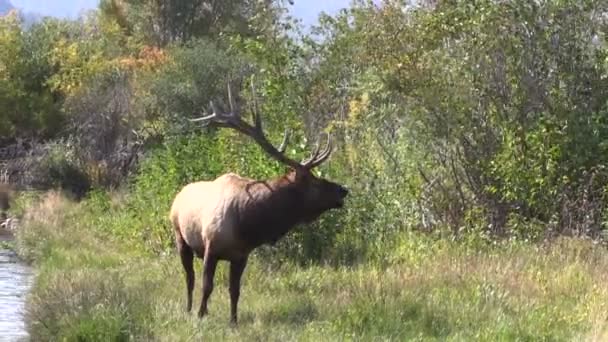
{"points": [[503, 102], [161, 23]]}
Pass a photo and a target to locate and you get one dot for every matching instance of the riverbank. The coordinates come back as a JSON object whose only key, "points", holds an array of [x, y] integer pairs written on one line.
{"points": [[91, 286]]}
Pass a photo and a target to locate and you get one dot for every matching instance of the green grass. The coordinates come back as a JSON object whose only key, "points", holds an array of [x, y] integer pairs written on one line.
{"points": [[91, 287]]}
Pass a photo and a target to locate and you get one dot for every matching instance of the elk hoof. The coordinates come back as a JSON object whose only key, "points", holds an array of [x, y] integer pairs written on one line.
{"points": [[202, 313]]}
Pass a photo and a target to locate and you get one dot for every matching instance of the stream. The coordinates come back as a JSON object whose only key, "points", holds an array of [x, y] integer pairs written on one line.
{"points": [[15, 280]]}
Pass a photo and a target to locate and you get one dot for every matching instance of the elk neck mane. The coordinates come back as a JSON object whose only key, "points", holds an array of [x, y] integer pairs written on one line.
{"points": [[272, 208]]}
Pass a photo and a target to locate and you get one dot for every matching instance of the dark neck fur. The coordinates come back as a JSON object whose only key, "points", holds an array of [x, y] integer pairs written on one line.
{"points": [[273, 208]]}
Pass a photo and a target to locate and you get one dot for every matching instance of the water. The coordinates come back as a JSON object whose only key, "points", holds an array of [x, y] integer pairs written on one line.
{"points": [[15, 278]]}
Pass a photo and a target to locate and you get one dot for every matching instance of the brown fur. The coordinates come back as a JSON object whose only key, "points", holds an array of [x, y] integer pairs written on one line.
{"points": [[227, 218]]}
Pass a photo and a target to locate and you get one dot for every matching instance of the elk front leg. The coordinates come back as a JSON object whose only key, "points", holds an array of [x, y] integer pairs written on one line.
{"points": [[236, 271], [185, 252], [209, 264]]}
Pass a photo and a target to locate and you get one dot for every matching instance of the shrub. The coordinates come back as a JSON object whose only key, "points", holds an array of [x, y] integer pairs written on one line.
{"points": [[60, 168]]}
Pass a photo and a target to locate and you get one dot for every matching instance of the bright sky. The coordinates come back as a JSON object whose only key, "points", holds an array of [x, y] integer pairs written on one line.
{"points": [[64, 8], [307, 10]]}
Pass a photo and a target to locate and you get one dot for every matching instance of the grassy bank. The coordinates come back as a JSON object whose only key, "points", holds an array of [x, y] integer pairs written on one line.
{"points": [[92, 287]]}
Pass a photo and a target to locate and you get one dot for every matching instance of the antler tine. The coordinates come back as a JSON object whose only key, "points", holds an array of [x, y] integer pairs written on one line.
{"points": [[283, 145], [318, 158], [207, 117], [231, 102], [257, 120], [203, 118], [313, 155], [326, 152]]}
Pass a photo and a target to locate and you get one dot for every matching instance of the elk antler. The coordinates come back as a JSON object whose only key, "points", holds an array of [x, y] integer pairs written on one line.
{"points": [[234, 120], [317, 158]]}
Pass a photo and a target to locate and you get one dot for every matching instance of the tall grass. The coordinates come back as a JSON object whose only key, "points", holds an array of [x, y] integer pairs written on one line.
{"points": [[92, 287]]}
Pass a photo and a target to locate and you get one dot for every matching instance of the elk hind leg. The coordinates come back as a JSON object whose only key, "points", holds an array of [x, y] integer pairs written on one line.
{"points": [[187, 257], [209, 265]]}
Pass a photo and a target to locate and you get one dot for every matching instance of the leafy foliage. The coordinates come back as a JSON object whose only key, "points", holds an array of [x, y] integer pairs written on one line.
{"points": [[30, 106], [474, 120], [166, 22]]}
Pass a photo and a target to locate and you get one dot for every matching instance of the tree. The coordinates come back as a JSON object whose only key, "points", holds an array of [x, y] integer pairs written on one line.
{"points": [[162, 22], [31, 108], [501, 107]]}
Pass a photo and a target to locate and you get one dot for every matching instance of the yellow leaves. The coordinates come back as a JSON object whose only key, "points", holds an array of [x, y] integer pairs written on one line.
{"points": [[79, 61], [72, 60], [128, 62], [152, 53], [72, 52], [10, 20], [10, 38], [149, 58], [356, 107]]}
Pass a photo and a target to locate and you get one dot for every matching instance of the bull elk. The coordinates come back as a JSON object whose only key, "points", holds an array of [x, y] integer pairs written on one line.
{"points": [[227, 218]]}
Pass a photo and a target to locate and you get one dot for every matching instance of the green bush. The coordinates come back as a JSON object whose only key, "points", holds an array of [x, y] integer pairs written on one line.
{"points": [[60, 168], [197, 73]]}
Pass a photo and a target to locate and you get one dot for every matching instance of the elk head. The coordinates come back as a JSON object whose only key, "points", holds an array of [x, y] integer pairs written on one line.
{"points": [[317, 194]]}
